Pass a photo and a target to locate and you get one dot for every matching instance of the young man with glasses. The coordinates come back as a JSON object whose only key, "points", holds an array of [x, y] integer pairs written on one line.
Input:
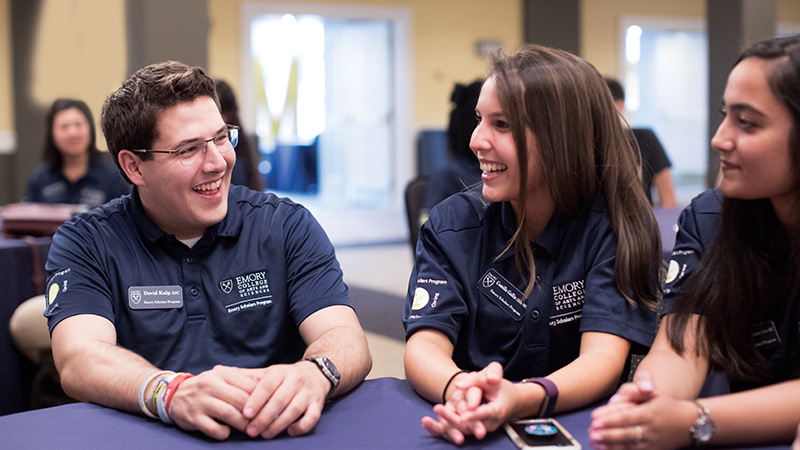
{"points": [[233, 295]]}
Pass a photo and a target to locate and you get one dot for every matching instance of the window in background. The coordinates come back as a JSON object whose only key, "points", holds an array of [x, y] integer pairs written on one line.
{"points": [[325, 105], [666, 89]]}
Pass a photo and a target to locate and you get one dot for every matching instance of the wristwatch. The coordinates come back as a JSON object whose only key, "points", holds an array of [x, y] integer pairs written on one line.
{"points": [[328, 369], [550, 395], [703, 428]]}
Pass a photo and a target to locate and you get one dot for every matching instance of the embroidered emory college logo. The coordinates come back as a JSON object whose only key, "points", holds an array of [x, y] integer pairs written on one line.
{"points": [[226, 285], [489, 279], [136, 297]]}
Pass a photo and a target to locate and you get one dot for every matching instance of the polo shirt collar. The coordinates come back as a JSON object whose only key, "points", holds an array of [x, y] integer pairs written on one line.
{"points": [[229, 226], [550, 240]]}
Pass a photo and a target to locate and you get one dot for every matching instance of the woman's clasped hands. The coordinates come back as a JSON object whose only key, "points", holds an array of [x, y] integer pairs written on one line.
{"points": [[479, 403], [638, 416]]}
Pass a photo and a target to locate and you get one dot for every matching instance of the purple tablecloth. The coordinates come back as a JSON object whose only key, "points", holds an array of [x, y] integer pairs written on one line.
{"points": [[18, 259], [383, 413]]}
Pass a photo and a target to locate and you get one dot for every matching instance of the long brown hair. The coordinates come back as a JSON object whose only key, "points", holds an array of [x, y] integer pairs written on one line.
{"points": [[585, 154], [750, 273]]}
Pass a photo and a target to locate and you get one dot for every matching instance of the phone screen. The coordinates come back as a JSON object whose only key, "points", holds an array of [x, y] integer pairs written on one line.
{"points": [[541, 432]]}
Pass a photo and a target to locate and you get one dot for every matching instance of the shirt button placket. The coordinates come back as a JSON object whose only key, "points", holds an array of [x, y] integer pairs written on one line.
{"points": [[191, 281]]}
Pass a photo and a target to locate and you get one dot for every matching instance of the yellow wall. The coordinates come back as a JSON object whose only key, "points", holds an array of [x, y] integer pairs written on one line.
{"points": [[601, 21], [600, 25], [79, 52], [442, 47], [6, 91], [81, 44]]}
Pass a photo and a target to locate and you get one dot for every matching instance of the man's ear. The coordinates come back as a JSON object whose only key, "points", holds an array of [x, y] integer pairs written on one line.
{"points": [[131, 164]]}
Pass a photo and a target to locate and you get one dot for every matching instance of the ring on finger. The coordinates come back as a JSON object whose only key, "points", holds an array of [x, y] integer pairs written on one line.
{"points": [[638, 439]]}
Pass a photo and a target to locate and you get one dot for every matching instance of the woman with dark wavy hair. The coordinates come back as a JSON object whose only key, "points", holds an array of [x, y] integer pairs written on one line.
{"points": [[545, 274], [73, 171], [732, 298]]}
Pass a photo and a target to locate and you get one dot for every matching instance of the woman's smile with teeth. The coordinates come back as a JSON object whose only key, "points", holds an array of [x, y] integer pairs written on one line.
{"points": [[493, 167], [209, 186]]}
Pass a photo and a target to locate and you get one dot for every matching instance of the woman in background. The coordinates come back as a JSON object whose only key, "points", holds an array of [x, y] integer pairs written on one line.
{"points": [[551, 272], [73, 171], [461, 170], [245, 172], [732, 298]]}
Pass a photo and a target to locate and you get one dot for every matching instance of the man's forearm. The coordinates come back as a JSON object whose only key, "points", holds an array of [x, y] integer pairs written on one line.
{"points": [[347, 348], [103, 373]]}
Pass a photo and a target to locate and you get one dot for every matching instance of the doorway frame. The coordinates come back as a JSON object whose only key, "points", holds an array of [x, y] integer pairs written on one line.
{"points": [[401, 95]]}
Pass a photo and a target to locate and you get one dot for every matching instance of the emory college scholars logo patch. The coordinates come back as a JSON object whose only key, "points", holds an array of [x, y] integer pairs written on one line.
{"points": [[489, 279], [247, 291]]}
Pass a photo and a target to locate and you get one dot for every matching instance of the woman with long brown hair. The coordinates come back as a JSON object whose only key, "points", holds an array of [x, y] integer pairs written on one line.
{"points": [[548, 272]]}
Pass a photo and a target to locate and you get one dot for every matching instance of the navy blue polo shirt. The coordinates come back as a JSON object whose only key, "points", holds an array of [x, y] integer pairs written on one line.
{"points": [[101, 183], [236, 297], [777, 338], [460, 289]]}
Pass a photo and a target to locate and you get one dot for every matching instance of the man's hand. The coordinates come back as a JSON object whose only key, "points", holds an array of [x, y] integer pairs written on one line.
{"points": [[287, 397], [212, 401]]}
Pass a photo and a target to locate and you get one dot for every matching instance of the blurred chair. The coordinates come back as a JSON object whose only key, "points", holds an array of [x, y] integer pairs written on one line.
{"points": [[30, 334], [415, 197]]}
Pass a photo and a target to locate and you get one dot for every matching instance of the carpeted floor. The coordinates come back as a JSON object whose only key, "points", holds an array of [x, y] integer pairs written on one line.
{"points": [[379, 312]]}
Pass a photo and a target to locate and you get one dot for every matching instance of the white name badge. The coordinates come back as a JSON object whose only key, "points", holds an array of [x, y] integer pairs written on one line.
{"points": [[155, 297]]}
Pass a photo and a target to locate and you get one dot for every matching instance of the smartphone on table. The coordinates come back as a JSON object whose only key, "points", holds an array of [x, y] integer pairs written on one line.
{"points": [[540, 434]]}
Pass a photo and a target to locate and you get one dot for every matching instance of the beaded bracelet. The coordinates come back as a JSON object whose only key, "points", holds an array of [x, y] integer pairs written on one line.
{"points": [[142, 404]]}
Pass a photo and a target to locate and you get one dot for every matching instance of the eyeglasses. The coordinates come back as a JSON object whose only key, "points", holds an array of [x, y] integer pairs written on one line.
{"points": [[194, 152]]}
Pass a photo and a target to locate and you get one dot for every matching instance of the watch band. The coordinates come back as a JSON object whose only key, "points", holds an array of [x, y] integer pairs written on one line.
{"points": [[704, 428], [550, 395], [327, 368]]}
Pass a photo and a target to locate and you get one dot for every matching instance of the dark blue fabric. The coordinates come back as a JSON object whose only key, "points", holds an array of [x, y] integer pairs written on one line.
{"points": [[698, 227], [101, 183], [247, 284], [576, 291], [458, 175]]}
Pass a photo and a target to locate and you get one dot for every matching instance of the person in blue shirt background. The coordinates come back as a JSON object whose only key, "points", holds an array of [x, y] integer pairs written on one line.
{"points": [[732, 293], [238, 290], [549, 271], [462, 169], [73, 170]]}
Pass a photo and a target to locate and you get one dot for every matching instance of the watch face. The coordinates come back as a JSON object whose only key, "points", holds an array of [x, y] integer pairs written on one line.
{"points": [[704, 430], [331, 367]]}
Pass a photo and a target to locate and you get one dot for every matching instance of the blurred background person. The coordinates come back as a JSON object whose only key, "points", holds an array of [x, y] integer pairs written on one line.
{"points": [[73, 170], [655, 163], [462, 169], [245, 171]]}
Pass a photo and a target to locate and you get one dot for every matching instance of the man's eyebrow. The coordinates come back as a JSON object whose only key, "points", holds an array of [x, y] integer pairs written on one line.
{"points": [[191, 140]]}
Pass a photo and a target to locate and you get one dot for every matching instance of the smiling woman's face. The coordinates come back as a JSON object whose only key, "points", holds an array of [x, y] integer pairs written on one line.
{"points": [[71, 132]]}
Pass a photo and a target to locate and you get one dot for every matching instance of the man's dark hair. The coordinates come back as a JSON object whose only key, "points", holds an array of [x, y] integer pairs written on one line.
{"points": [[130, 114]]}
